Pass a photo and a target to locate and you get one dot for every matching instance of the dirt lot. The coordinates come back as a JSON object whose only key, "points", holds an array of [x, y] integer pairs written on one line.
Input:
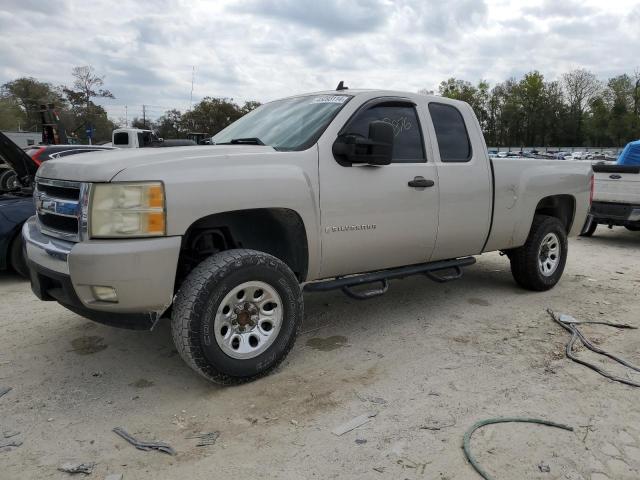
{"points": [[431, 359]]}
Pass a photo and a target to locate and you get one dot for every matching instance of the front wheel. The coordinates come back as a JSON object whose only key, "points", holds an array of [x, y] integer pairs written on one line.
{"points": [[8, 180], [539, 263], [16, 257], [237, 315]]}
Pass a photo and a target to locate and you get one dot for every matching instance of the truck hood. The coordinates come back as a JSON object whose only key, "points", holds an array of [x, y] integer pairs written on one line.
{"points": [[147, 163]]}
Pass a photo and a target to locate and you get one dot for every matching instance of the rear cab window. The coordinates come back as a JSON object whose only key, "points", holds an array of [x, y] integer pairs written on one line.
{"points": [[451, 133], [121, 138]]}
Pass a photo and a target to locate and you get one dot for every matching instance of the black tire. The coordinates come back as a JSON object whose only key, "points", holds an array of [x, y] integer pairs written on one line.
{"points": [[199, 297], [589, 227], [633, 228], [525, 265], [16, 257], [7, 180]]}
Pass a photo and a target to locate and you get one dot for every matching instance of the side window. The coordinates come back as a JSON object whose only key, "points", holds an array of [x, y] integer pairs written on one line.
{"points": [[451, 133], [408, 146]]}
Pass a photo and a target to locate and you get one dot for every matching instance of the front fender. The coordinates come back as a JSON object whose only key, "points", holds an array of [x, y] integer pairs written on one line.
{"points": [[202, 188]]}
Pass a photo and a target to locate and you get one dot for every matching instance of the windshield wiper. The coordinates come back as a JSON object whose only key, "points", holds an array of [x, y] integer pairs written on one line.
{"points": [[245, 141]]}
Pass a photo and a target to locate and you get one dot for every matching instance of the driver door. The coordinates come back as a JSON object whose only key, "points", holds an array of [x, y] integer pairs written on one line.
{"points": [[371, 217]]}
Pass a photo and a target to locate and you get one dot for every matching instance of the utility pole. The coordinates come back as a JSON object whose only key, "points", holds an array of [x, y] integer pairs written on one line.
{"points": [[126, 117], [144, 117], [193, 73]]}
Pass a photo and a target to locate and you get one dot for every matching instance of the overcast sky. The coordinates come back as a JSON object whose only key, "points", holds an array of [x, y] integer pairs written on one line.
{"points": [[265, 49]]}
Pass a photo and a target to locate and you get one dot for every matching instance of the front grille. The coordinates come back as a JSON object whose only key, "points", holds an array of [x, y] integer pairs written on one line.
{"points": [[63, 224], [67, 193], [59, 207]]}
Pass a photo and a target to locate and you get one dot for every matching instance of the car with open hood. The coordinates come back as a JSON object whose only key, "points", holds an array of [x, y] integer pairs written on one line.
{"points": [[16, 204]]}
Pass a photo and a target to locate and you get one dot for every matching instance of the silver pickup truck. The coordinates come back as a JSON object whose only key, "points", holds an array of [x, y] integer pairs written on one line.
{"points": [[343, 189]]}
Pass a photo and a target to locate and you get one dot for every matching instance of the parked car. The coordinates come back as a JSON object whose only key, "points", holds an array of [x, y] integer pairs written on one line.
{"points": [[42, 153], [16, 206], [16, 203], [334, 190]]}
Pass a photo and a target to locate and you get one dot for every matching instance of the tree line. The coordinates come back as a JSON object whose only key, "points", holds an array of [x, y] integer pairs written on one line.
{"points": [[75, 105], [21, 102], [209, 116], [577, 110]]}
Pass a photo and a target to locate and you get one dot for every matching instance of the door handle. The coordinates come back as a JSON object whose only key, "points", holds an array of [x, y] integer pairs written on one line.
{"points": [[418, 182]]}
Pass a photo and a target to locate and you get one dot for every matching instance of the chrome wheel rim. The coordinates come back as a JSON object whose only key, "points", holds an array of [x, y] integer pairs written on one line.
{"points": [[248, 320], [549, 254]]}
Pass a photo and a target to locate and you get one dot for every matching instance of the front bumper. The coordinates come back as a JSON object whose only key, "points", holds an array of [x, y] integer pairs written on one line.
{"points": [[142, 272]]}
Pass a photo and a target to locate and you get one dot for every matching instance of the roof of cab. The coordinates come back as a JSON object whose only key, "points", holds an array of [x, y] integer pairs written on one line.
{"points": [[374, 92]]}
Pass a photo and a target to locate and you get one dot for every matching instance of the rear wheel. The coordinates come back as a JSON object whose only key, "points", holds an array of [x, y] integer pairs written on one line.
{"points": [[236, 316], [539, 263], [16, 257]]}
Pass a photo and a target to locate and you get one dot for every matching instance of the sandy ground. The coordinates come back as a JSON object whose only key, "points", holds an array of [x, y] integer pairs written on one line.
{"points": [[430, 359]]}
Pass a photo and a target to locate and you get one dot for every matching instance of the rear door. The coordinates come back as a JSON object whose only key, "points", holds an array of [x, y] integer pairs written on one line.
{"points": [[371, 218], [464, 176]]}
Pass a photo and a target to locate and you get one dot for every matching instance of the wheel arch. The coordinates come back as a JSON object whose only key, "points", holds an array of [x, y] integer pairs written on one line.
{"points": [[277, 231], [562, 207]]}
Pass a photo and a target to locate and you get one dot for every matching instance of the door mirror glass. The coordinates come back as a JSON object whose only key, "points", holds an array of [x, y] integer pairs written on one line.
{"points": [[376, 149]]}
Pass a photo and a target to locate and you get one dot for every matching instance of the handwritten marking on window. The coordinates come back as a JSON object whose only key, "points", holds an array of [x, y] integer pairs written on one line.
{"points": [[399, 125]]}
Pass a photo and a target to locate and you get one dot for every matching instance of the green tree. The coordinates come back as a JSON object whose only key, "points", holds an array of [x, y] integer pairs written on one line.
{"points": [[28, 94], [581, 86], [169, 125], [87, 85], [11, 116], [213, 114], [530, 94], [248, 106]]}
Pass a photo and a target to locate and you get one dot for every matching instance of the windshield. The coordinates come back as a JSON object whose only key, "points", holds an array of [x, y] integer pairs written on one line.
{"points": [[290, 124]]}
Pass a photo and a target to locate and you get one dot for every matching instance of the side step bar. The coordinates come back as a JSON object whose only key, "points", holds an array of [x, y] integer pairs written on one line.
{"points": [[383, 276]]}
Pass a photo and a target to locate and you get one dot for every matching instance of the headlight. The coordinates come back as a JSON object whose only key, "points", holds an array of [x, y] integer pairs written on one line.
{"points": [[127, 210]]}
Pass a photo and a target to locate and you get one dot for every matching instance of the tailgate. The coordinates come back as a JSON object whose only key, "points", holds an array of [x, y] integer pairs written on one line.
{"points": [[617, 187]]}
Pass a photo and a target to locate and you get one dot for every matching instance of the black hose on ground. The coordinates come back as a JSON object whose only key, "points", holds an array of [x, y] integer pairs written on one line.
{"points": [[577, 335], [466, 443]]}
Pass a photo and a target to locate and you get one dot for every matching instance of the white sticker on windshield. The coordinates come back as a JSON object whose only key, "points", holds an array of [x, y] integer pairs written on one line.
{"points": [[330, 99]]}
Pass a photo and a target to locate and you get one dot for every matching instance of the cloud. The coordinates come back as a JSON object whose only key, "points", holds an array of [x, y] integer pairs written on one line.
{"points": [[265, 49], [565, 8], [344, 17]]}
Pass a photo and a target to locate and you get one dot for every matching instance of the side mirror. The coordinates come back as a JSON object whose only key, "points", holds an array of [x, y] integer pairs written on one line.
{"points": [[377, 149]]}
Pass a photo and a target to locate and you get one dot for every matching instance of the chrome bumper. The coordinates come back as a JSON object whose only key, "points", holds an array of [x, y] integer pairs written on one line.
{"points": [[141, 271], [49, 252]]}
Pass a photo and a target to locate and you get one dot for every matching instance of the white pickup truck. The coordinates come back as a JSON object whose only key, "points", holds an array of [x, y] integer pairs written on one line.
{"points": [[616, 198], [343, 189], [140, 138]]}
